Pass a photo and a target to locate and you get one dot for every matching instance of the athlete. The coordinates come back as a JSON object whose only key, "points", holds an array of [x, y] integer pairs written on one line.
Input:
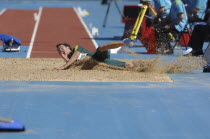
{"points": [[71, 55]]}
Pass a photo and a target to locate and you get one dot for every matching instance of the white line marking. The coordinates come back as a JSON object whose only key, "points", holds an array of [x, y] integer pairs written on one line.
{"points": [[35, 16], [86, 28], [34, 33], [2, 11]]}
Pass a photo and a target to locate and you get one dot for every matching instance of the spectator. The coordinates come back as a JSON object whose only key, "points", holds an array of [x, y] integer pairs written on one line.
{"points": [[196, 9], [162, 8], [200, 33], [174, 23]]}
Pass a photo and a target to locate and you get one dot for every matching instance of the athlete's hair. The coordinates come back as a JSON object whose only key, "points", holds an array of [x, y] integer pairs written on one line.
{"points": [[65, 44]]}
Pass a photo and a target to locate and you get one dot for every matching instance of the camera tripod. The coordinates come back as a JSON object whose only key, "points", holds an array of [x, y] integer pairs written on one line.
{"points": [[107, 11], [140, 18], [151, 47]]}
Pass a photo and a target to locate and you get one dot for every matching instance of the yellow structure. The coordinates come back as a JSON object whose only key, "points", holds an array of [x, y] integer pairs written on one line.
{"points": [[140, 18]]}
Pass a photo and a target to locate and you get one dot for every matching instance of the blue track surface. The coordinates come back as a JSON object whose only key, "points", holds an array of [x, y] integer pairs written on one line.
{"points": [[21, 54], [108, 110], [100, 110]]}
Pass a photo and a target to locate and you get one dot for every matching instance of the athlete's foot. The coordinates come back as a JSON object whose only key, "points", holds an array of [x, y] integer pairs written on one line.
{"points": [[129, 65], [128, 42]]}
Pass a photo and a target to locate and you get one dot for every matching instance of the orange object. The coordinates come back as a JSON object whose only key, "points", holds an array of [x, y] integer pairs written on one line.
{"points": [[184, 39], [148, 38]]}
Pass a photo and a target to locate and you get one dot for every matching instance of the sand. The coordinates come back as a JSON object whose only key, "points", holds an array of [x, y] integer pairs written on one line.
{"points": [[42, 69]]}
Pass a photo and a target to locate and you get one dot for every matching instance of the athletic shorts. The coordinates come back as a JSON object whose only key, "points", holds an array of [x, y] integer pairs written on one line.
{"points": [[105, 57]]}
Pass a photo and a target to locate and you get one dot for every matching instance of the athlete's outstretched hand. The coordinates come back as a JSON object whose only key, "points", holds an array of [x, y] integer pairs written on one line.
{"points": [[60, 68]]}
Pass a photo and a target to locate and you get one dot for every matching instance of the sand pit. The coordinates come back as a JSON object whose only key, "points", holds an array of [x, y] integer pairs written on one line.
{"points": [[42, 69]]}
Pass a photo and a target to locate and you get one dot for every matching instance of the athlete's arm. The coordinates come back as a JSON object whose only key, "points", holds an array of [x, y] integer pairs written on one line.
{"points": [[181, 16], [70, 61]]}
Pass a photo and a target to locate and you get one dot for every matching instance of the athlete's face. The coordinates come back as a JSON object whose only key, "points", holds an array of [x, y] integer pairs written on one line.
{"points": [[63, 50]]}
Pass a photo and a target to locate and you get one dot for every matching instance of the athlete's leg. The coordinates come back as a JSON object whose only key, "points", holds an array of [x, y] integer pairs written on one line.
{"points": [[117, 63], [113, 45]]}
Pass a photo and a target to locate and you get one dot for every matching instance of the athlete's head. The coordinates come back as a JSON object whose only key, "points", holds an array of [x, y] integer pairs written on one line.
{"points": [[63, 48]]}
